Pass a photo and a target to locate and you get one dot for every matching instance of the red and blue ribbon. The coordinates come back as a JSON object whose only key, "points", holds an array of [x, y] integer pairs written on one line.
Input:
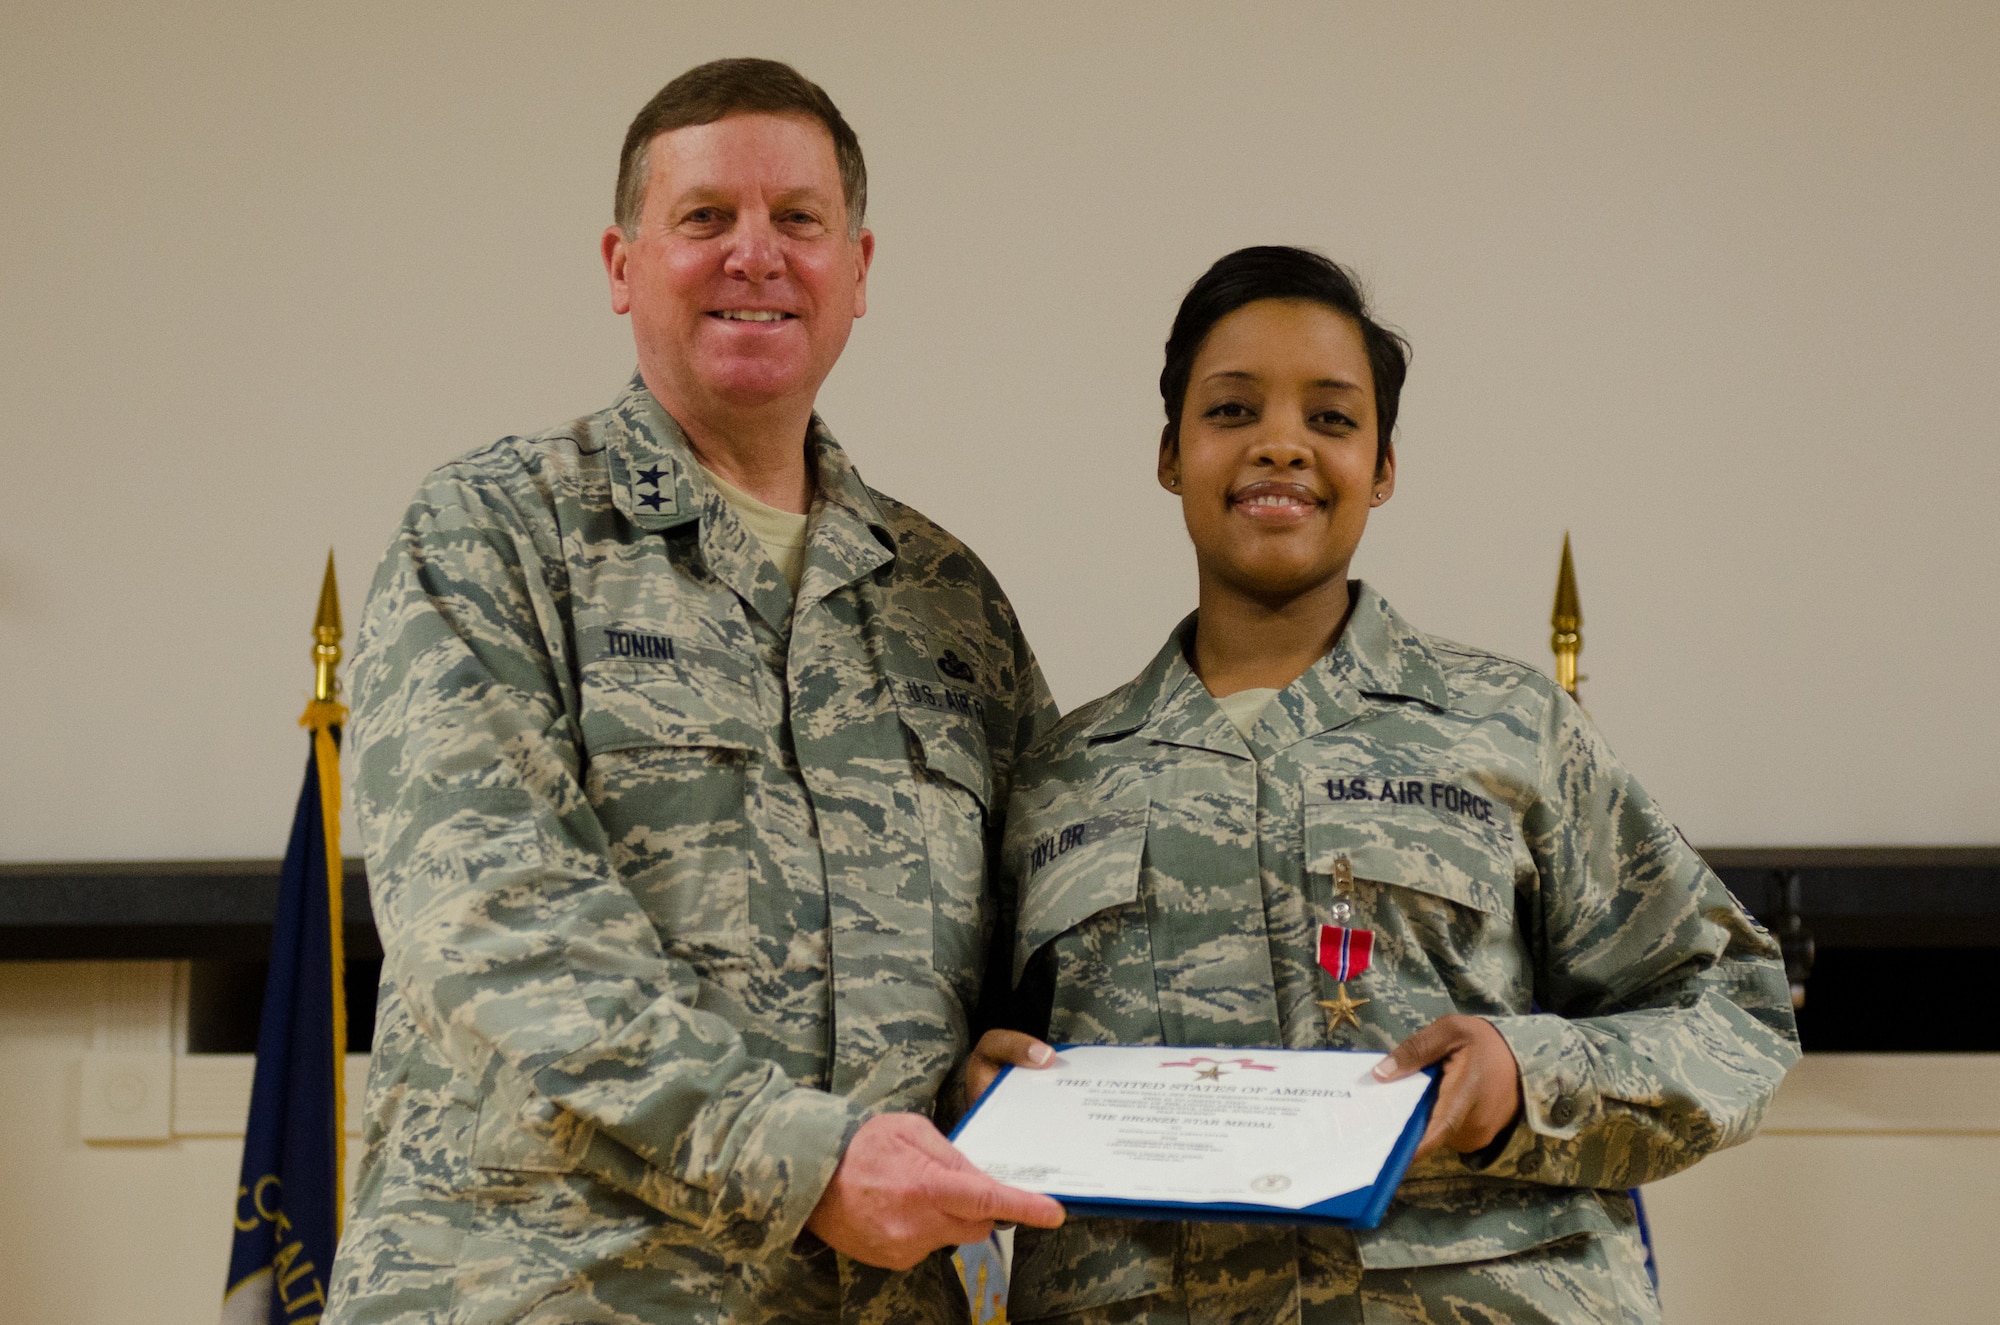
{"points": [[1344, 952]]}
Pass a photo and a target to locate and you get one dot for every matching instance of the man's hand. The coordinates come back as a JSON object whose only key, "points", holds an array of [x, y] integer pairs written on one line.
{"points": [[1481, 1090], [998, 1049], [902, 1191]]}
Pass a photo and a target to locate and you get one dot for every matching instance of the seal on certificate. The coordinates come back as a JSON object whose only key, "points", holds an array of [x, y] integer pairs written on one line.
{"points": [[1270, 1184]]}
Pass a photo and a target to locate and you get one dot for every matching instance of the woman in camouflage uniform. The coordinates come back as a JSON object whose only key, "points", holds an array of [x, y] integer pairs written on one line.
{"points": [[1297, 754]]}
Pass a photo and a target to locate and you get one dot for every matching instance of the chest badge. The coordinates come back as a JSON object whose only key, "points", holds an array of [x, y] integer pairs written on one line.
{"points": [[954, 667], [1344, 954]]}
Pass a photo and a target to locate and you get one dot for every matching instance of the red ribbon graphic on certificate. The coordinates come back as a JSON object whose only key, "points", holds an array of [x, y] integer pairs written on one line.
{"points": [[1214, 1069], [1344, 954]]}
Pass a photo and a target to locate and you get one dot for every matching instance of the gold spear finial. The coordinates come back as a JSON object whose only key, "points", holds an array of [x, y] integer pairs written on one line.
{"points": [[326, 708], [1567, 619]]}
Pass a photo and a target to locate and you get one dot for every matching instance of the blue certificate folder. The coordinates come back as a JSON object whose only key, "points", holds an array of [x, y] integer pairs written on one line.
{"points": [[1363, 1207]]}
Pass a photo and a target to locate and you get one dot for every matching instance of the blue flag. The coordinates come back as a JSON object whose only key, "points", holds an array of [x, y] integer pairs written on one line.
{"points": [[288, 1200], [982, 1272]]}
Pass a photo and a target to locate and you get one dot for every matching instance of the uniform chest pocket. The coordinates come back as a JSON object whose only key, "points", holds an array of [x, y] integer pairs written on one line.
{"points": [[1434, 882], [1081, 912], [678, 694], [1433, 834], [954, 789], [669, 750]]}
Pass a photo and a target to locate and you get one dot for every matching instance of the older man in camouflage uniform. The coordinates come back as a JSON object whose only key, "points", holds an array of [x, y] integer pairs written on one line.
{"points": [[679, 831], [1173, 873]]}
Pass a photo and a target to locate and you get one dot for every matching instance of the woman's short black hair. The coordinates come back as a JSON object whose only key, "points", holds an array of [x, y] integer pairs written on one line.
{"points": [[1274, 271]]}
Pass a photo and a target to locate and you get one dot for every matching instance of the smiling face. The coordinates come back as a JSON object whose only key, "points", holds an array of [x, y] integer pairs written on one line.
{"points": [[1276, 459], [741, 279]]}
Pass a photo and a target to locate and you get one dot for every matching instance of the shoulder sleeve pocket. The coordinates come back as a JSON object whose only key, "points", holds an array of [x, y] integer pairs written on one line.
{"points": [[521, 1131], [1446, 853], [1072, 869]]}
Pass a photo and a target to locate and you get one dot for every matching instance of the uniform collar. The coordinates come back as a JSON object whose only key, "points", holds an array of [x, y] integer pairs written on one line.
{"points": [[1379, 655], [1168, 703], [657, 485], [1131, 706], [850, 536]]}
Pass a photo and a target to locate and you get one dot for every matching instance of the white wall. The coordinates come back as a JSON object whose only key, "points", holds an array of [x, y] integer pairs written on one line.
{"points": [[98, 1231], [1711, 285]]}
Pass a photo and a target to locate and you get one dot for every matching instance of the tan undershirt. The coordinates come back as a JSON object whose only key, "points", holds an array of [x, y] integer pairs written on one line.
{"points": [[1246, 706], [783, 533]]}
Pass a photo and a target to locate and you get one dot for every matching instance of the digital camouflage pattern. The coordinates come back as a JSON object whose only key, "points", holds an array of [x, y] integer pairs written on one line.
{"points": [[1170, 877], [677, 881]]}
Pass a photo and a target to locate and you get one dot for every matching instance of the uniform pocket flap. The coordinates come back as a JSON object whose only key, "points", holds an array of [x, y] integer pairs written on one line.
{"points": [[1439, 837], [696, 698], [952, 747], [1071, 872]]}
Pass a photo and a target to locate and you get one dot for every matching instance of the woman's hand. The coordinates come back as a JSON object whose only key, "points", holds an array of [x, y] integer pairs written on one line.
{"points": [[1481, 1090], [998, 1049]]}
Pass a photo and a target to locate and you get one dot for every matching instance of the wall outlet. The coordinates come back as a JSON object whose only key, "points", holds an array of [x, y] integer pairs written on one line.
{"points": [[127, 1096]]}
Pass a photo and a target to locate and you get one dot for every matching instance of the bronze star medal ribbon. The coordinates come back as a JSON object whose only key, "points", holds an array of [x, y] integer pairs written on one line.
{"points": [[1344, 955]]}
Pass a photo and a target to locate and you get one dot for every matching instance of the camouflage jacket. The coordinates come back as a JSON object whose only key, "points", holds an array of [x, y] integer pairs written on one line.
{"points": [[1171, 876], [677, 880]]}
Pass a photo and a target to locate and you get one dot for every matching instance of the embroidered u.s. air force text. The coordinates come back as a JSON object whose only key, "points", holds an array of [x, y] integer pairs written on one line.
{"points": [[1446, 796], [941, 698]]}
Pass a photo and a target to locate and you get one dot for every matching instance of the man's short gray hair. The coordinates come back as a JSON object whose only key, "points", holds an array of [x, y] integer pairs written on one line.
{"points": [[721, 88]]}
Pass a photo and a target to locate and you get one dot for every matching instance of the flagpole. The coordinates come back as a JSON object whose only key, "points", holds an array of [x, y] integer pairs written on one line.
{"points": [[1566, 622], [290, 1194], [324, 717]]}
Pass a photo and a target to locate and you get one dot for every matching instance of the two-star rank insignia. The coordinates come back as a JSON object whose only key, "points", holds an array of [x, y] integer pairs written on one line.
{"points": [[653, 477]]}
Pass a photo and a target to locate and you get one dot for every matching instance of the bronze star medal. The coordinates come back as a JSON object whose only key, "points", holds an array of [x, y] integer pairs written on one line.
{"points": [[1340, 1010], [1344, 954], [1213, 1072]]}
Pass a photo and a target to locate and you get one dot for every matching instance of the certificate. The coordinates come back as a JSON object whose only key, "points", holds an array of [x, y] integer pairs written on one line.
{"points": [[1298, 1136]]}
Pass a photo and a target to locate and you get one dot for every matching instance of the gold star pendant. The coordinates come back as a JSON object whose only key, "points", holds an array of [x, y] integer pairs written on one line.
{"points": [[1340, 1010]]}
